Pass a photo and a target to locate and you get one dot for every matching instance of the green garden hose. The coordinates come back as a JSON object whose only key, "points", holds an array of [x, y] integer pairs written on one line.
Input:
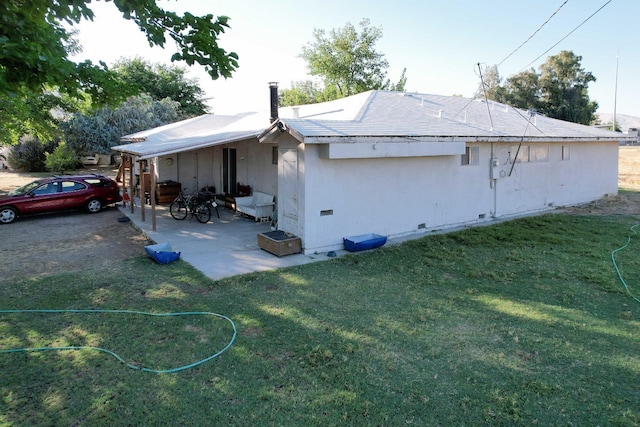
{"points": [[615, 265], [156, 371]]}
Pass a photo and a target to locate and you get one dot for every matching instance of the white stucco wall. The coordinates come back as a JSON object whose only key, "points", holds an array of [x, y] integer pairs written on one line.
{"points": [[590, 173], [397, 196], [262, 173], [199, 168]]}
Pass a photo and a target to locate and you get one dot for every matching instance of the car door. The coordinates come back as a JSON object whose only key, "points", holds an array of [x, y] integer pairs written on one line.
{"points": [[73, 194], [43, 198]]}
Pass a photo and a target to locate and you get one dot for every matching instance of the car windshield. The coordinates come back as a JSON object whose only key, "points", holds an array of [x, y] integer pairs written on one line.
{"points": [[24, 189]]}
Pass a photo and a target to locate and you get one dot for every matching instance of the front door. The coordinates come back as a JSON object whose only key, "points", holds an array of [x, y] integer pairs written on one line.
{"points": [[188, 170]]}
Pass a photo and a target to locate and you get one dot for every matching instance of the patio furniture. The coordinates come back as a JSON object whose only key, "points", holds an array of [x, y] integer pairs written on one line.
{"points": [[228, 200], [259, 205]]}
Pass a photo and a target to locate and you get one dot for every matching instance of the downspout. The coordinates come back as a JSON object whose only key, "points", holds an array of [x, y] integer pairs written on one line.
{"points": [[494, 182]]}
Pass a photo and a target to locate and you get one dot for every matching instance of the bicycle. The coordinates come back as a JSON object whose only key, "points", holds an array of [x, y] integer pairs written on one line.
{"points": [[193, 204]]}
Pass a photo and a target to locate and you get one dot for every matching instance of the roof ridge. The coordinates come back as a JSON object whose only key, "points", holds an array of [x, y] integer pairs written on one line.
{"points": [[365, 105]]}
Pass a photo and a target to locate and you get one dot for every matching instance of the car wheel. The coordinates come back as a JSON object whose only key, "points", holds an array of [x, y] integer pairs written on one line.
{"points": [[8, 215], [94, 205]]}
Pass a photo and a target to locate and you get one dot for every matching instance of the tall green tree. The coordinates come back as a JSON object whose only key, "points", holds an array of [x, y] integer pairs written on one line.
{"points": [[558, 90], [522, 90], [492, 82], [346, 61], [161, 81], [29, 115], [37, 40], [36, 37], [564, 86]]}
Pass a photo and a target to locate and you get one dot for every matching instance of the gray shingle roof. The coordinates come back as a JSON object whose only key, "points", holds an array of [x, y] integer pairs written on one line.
{"points": [[393, 114], [383, 115]]}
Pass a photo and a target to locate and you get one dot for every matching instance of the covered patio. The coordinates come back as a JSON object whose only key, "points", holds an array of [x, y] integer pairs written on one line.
{"points": [[223, 247]]}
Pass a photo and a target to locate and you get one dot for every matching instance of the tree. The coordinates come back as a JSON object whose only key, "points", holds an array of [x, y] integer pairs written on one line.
{"points": [[35, 41], [301, 93], [522, 90], [402, 82], [564, 88], [29, 115], [99, 131], [38, 80], [492, 83], [61, 159], [306, 92], [160, 81], [347, 63], [559, 90]]}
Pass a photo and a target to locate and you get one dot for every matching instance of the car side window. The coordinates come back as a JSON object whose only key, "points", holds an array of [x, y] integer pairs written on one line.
{"points": [[48, 188], [97, 182], [69, 186]]}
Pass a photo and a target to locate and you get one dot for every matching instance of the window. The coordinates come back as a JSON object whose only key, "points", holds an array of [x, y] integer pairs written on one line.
{"points": [[539, 153], [97, 182], [565, 152], [522, 153], [471, 156], [68, 186], [274, 155], [49, 188]]}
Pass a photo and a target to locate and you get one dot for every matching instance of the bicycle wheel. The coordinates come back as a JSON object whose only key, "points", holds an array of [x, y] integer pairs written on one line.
{"points": [[178, 209], [203, 213]]}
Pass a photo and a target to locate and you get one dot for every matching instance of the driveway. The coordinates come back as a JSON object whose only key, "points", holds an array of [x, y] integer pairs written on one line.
{"points": [[37, 245]]}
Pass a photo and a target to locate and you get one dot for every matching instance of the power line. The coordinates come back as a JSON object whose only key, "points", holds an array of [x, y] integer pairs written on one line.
{"points": [[534, 33], [571, 32]]}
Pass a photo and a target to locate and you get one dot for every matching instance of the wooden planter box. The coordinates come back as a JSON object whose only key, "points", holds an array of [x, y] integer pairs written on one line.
{"points": [[279, 243]]}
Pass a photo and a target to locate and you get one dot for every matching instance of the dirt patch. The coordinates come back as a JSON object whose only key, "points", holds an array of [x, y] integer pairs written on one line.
{"points": [[70, 241], [625, 203]]}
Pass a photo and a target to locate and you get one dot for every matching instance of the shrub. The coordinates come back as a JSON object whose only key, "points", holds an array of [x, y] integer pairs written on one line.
{"points": [[62, 159], [29, 154]]}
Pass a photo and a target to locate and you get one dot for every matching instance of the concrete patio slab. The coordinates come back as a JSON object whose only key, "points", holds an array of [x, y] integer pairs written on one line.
{"points": [[223, 247]]}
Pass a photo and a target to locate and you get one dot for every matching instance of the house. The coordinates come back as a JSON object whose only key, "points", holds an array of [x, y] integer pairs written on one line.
{"points": [[389, 163]]}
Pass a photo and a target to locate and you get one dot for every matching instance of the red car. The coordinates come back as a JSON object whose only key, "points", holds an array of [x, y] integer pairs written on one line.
{"points": [[59, 193]]}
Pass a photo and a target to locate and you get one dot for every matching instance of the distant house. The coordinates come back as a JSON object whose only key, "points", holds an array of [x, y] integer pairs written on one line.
{"points": [[388, 163]]}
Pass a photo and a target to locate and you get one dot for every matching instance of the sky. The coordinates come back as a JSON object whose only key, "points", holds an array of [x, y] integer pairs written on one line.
{"points": [[440, 43]]}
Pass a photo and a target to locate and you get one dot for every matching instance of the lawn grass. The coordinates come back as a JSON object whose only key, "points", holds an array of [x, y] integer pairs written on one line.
{"points": [[519, 323]]}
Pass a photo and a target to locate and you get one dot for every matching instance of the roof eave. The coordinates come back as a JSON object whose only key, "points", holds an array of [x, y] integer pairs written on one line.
{"points": [[450, 138], [143, 154]]}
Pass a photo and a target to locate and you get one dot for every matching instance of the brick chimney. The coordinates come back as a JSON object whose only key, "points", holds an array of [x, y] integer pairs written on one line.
{"points": [[273, 90]]}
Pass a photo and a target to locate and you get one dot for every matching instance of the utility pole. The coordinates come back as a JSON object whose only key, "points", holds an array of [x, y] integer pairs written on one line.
{"points": [[615, 93]]}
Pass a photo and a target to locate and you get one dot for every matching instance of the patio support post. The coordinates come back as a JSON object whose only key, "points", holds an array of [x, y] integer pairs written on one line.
{"points": [[131, 187], [152, 192], [142, 190], [122, 178]]}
